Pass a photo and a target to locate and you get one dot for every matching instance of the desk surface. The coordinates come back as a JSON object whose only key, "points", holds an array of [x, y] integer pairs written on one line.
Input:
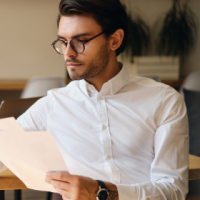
{"points": [[13, 84], [9, 181]]}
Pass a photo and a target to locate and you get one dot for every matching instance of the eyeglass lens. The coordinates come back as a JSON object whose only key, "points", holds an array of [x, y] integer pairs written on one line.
{"points": [[75, 44]]}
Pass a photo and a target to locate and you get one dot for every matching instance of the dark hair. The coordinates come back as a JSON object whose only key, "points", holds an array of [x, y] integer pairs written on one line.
{"points": [[109, 14]]}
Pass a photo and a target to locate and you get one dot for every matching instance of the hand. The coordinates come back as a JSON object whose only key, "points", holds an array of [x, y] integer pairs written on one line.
{"points": [[73, 187]]}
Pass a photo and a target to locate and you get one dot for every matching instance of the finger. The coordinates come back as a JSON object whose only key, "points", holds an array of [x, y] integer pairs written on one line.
{"points": [[65, 198], [63, 193], [58, 184], [59, 175]]}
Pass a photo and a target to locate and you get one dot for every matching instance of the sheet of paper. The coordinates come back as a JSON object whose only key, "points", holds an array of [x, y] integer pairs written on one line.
{"points": [[10, 124], [30, 155]]}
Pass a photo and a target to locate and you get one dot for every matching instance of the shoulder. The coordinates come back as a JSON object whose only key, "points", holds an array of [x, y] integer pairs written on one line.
{"points": [[155, 87], [144, 82], [164, 99], [64, 90], [166, 92], [36, 117]]}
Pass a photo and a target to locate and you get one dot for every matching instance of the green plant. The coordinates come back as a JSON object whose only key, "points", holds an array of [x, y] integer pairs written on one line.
{"points": [[138, 37], [178, 32]]}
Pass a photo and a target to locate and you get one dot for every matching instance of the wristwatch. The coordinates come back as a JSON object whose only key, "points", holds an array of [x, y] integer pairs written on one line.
{"points": [[102, 193]]}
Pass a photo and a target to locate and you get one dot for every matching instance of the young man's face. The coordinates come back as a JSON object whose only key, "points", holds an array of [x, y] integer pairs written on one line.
{"points": [[93, 61]]}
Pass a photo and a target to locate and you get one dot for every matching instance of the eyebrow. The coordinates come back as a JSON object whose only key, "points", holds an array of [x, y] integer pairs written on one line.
{"points": [[75, 36]]}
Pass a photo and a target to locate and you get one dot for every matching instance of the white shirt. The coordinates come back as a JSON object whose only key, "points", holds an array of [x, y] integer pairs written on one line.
{"points": [[133, 133]]}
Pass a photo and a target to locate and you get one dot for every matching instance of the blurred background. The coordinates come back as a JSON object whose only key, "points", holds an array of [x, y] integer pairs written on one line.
{"points": [[27, 30]]}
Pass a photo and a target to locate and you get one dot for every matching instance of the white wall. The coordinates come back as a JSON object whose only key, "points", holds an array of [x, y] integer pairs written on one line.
{"points": [[27, 29], [151, 10]]}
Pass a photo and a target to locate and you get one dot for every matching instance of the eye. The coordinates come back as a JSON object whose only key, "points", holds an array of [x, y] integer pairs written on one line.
{"points": [[82, 39]]}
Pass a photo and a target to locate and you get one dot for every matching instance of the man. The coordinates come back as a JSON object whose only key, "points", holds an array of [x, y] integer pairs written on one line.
{"points": [[129, 132]]}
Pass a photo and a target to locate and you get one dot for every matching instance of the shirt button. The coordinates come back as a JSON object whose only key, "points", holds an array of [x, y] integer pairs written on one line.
{"points": [[108, 157], [101, 98], [91, 87], [104, 127]]}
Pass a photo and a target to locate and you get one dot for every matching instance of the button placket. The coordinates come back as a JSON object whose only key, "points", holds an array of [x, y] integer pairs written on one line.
{"points": [[115, 173], [101, 98], [108, 157]]}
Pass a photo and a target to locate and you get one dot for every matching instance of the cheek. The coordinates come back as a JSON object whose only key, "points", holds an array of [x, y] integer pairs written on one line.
{"points": [[92, 49]]}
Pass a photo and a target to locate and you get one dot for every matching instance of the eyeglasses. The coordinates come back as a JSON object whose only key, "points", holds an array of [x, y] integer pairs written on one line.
{"points": [[77, 45]]}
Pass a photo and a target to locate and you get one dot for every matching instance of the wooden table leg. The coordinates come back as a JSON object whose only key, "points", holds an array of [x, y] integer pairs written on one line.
{"points": [[17, 194], [2, 195]]}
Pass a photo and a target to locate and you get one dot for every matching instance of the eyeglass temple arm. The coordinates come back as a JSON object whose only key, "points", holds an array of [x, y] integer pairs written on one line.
{"points": [[94, 37]]}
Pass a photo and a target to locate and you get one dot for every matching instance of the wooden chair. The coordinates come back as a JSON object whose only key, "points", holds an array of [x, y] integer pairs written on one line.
{"points": [[14, 108], [38, 86]]}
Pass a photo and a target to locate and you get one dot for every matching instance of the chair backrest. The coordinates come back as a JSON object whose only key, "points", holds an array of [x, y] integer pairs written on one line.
{"points": [[192, 101], [192, 82], [38, 86], [14, 108], [190, 90]]}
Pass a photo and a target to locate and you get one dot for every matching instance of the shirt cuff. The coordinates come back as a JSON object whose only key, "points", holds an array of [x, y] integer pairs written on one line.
{"points": [[127, 192]]}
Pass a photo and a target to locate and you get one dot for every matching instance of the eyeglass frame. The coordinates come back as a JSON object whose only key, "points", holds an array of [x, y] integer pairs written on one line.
{"points": [[66, 43]]}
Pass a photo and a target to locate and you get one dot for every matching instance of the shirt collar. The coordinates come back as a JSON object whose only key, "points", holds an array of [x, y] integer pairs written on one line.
{"points": [[111, 87]]}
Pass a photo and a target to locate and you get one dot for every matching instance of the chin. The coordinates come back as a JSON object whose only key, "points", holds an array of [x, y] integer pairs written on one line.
{"points": [[75, 76]]}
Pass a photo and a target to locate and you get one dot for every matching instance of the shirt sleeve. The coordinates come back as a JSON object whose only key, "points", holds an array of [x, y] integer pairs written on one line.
{"points": [[169, 170], [36, 117]]}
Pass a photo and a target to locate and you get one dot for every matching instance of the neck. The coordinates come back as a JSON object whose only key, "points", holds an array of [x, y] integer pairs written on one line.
{"points": [[111, 70]]}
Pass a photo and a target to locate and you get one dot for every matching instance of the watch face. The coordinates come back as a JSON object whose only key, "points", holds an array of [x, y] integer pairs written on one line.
{"points": [[103, 195]]}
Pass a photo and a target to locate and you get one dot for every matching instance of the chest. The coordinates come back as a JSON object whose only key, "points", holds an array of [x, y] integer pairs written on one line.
{"points": [[124, 122]]}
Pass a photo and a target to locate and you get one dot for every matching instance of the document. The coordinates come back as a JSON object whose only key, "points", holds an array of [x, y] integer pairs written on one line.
{"points": [[10, 124], [29, 155]]}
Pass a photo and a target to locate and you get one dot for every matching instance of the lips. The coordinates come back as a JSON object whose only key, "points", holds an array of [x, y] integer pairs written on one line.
{"points": [[74, 64]]}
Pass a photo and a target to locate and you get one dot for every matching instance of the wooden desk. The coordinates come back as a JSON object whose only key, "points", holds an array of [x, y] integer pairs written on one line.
{"points": [[17, 84], [8, 181]]}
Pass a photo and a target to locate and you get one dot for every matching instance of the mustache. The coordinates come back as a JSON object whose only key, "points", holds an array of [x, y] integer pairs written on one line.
{"points": [[73, 61]]}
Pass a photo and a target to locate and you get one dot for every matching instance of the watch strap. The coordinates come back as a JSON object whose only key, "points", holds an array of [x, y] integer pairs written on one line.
{"points": [[102, 184], [102, 193]]}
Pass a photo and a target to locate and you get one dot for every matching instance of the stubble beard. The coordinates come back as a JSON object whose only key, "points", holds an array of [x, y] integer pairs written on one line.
{"points": [[96, 66]]}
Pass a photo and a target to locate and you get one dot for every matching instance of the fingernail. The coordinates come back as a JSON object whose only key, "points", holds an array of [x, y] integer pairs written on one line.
{"points": [[47, 174], [47, 179]]}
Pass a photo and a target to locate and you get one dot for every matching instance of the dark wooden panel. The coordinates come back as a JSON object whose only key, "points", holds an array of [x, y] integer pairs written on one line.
{"points": [[9, 94]]}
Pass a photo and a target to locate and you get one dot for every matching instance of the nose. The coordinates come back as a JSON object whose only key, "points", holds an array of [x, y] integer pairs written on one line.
{"points": [[69, 52]]}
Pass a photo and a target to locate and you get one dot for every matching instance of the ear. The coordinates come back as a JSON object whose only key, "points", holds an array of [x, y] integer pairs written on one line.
{"points": [[116, 39]]}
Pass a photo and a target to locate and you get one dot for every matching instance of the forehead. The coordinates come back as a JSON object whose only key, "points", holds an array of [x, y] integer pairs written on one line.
{"points": [[77, 24]]}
